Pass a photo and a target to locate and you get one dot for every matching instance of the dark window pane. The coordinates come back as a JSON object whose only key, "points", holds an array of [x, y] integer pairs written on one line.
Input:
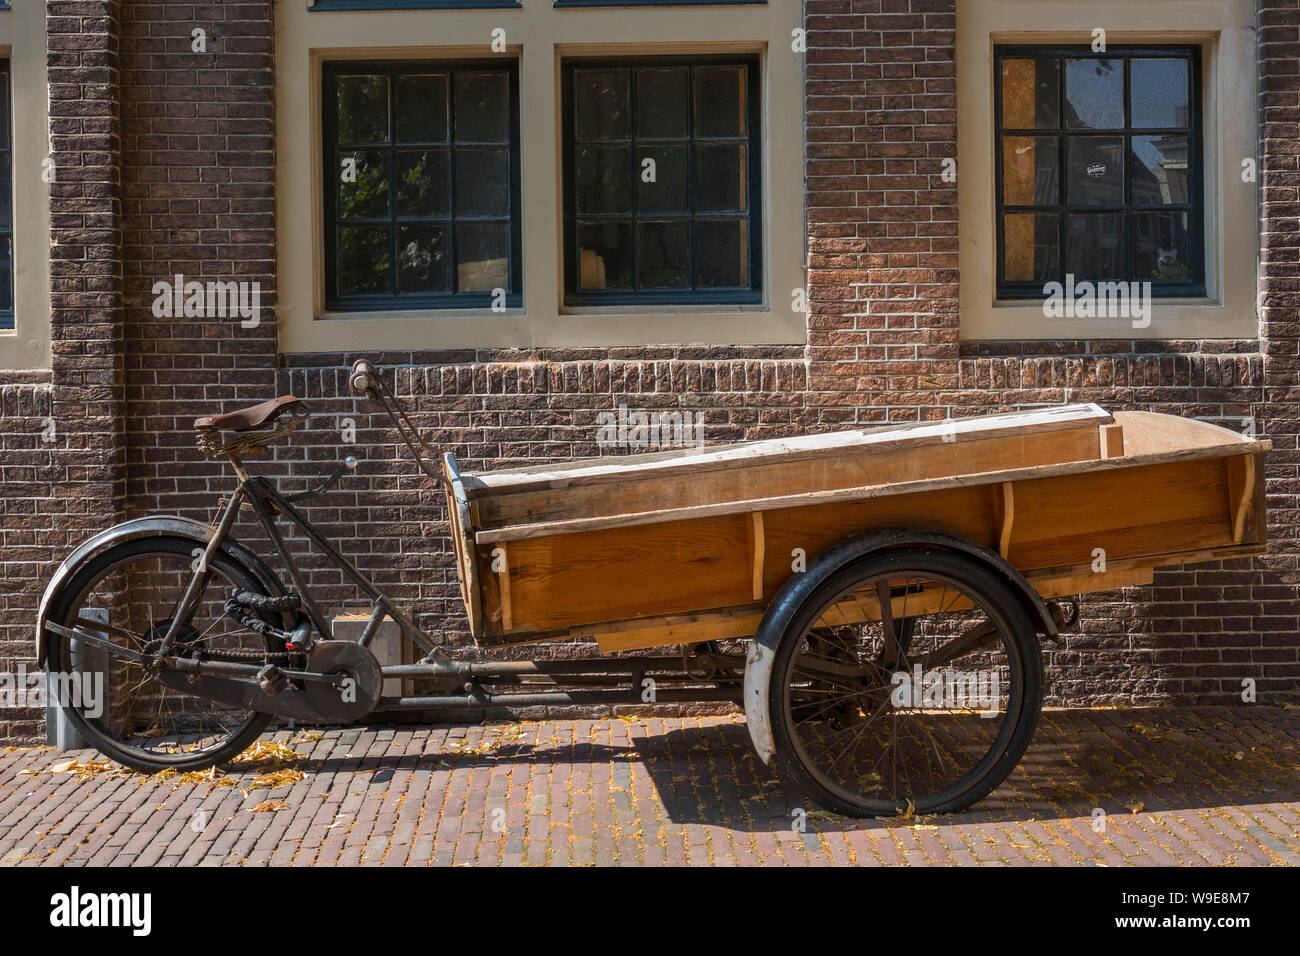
{"points": [[482, 107], [4, 111], [1094, 170], [482, 256], [1030, 94], [6, 275], [663, 103], [720, 101], [422, 183], [668, 192], [602, 179], [363, 185], [1029, 175], [1159, 170], [363, 266], [1161, 246], [721, 254], [649, 146], [721, 184], [1030, 253], [1159, 92], [1094, 245], [363, 109], [605, 256], [662, 254], [1094, 94], [424, 264], [422, 108], [601, 105], [481, 178], [6, 187]]}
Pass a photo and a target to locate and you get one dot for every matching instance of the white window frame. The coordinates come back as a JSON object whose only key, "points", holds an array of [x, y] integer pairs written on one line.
{"points": [[1224, 29], [540, 37], [22, 43]]}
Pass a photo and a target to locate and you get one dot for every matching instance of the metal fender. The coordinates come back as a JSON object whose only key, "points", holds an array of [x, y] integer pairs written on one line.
{"points": [[173, 525], [798, 588]]}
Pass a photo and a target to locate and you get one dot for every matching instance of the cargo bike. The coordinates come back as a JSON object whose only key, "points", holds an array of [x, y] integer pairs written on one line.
{"points": [[873, 599]]}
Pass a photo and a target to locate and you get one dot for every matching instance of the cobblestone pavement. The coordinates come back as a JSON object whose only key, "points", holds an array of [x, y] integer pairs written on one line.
{"points": [[1176, 786]]}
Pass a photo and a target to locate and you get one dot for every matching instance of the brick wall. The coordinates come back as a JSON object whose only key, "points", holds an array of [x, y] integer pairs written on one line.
{"points": [[196, 192], [61, 484]]}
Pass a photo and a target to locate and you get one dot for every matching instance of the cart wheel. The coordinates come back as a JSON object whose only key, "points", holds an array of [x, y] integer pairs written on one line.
{"points": [[924, 708]]}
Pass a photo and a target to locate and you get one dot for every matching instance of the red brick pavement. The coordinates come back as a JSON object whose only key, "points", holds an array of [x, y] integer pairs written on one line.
{"points": [[1188, 786]]}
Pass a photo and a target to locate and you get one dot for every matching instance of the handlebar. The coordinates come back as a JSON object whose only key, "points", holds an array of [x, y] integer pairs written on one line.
{"points": [[363, 377]]}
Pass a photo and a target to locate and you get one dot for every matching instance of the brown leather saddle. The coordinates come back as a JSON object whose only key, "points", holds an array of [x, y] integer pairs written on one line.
{"points": [[255, 416]]}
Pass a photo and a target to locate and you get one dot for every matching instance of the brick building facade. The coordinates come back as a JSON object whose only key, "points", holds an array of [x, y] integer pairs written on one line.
{"points": [[165, 162]]}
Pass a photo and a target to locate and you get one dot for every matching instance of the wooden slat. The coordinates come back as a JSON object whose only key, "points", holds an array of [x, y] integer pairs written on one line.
{"points": [[1241, 492], [756, 550], [1112, 441], [689, 462], [638, 499], [1004, 509], [501, 565]]}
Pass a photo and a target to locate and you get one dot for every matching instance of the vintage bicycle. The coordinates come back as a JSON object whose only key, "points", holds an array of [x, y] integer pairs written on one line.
{"points": [[873, 599]]}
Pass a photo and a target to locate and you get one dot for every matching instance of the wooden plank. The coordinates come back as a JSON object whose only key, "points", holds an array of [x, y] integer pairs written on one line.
{"points": [[545, 529], [682, 629], [1004, 508], [1112, 441], [685, 462], [616, 502], [460, 519], [501, 565], [756, 551], [1241, 492]]}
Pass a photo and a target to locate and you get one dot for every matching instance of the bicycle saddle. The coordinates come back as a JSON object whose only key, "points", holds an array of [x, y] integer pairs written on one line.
{"points": [[255, 416]]}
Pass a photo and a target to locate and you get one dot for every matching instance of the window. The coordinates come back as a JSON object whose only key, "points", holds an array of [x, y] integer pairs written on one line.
{"points": [[349, 5], [422, 185], [661, 181], [6, 205], [1099, 168]]}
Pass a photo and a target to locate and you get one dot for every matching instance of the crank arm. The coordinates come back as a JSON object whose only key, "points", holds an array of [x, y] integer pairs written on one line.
{"points": [[245, 694], [94, 640]]}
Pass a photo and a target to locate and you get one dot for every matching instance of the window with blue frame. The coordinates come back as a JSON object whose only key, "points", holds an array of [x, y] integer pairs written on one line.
{"points": [[662, 180], [6, 203], [422, 185], [1099, 160], [320, 6]]}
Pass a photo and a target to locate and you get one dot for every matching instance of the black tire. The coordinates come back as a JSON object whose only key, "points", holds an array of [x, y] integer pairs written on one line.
{"points": [[245, 728], [802, 730]]}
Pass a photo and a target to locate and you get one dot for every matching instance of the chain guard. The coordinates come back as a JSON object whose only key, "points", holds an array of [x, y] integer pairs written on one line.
{"points": [[350, 697]]}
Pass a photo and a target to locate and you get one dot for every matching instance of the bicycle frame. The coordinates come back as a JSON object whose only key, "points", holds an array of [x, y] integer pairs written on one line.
{"points": [[268, 503]]}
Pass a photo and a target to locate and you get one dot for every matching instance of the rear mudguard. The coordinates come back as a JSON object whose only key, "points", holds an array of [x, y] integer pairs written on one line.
{"points": [[798, 588], [169, 525]]}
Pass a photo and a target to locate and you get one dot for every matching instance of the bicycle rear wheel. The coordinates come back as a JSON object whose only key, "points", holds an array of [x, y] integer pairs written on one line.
{"points": [[126, 595]]}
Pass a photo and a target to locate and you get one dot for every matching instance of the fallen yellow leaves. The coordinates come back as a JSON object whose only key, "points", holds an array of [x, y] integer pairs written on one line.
{"points": [[276, 778], [267, 756], [85, 770], [269, 806]]}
